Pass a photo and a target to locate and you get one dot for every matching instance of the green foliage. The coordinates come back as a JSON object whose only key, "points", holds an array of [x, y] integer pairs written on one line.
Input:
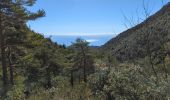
{"points": [[44, 70], [82, 59], [15, 92], [133, 83]]}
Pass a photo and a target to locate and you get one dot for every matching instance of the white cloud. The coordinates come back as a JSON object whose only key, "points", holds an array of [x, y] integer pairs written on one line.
{"points": [[92, 40], [83, 34]]}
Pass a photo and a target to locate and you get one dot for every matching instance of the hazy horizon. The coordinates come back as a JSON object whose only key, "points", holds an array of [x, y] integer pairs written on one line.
{"points": [[96, 21]]}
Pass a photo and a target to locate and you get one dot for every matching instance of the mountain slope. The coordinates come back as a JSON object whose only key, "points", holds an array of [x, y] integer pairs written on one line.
{"points": [[149, 35]]}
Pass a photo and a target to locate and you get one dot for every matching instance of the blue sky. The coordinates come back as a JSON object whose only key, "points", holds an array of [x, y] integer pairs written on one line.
{"points": [[96, 21]]}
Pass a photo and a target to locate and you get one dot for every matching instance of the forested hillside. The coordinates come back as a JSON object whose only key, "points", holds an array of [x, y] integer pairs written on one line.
{"points": [[148, 36], [133, 66]]}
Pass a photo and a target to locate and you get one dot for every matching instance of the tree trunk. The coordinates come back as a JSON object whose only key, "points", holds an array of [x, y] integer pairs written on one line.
{"points": [[165, 70], [163, 60], [150, 57], [3, 58], [10, 67], [109, 96], [3, 55], [49, 85], [71, 81], [84, 67], [84, 64], [152, 66]]}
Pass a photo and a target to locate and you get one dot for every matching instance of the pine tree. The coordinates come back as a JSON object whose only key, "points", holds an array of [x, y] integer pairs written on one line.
{"points": [[13, 14], [82, 58]]}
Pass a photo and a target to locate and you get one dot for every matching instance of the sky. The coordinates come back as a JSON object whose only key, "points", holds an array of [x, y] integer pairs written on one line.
{"points": [[96, 21]]}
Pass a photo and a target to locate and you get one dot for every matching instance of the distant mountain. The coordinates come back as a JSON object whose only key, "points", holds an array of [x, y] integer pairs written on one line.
{"points": [[134, 42]]}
